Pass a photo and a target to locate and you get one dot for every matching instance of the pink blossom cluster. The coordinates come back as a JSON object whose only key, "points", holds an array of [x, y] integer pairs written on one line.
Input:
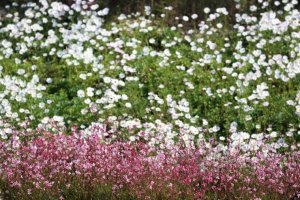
{"points": [[60, 166]]}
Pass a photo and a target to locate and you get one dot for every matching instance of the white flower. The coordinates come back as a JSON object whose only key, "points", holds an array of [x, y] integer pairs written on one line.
{"points": [[214, 129], [128, 105], [87, 101], [147, 10], [84, 111], [21, 71], [103, 12], [151, 40], [82, 76], [132, 138], [49, 80], [273, 134], [88, 56], [206, 10], [219, 25], [45, 120], [124, 97], [248, 117], [107, 79], [41, 105], [185, 18], [194, 16], [90, 91], [58, 118], [261, 91], [95, 7], [80, 93], [266, 104]]}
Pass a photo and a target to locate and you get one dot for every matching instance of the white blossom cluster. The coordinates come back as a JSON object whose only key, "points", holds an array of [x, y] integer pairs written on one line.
{"points": [[67, 65]]}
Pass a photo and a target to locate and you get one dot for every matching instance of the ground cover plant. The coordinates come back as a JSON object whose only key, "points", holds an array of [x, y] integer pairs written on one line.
{"points": [[138, 108]]}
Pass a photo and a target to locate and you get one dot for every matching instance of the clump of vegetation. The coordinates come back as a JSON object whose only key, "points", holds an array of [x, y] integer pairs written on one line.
{"points": [[145, 89], [64, 63]]}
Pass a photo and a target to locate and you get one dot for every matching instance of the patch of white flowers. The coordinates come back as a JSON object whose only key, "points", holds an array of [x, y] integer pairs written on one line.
{"points": [[113, 79]]}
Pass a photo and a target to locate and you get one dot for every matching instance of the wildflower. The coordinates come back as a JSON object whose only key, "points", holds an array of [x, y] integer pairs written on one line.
{"points": [[80, 93], [206, 10]]}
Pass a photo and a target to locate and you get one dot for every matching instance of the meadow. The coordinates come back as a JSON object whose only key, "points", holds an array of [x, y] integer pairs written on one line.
{"points": [[136, 107]]}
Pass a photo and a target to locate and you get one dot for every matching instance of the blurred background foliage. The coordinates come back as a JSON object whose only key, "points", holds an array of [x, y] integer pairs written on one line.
{"points": [[180, 7]]}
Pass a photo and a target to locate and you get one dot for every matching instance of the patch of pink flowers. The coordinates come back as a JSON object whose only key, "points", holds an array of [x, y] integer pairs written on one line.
{"points": [[59, 166]]}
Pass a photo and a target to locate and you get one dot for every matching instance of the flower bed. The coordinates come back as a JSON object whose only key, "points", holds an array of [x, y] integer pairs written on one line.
{"points": [[73, 167], [136, 107]]}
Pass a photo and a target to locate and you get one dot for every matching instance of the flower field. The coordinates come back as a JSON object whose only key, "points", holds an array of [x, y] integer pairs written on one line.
{"points": [[136, 107]]}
